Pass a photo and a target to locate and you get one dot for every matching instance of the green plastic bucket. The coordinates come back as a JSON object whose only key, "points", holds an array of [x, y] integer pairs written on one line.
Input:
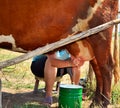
{"points": [[70, 96]]}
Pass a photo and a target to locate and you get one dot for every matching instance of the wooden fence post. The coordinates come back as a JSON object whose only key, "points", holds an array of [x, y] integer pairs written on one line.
{"points": [[116, 54]]}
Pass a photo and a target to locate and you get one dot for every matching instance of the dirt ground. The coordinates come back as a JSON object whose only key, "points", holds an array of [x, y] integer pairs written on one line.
{"points": [[13, 99]]}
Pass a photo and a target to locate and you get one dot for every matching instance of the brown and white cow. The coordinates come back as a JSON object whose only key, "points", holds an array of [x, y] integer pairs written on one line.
{"points": [[28, 24]]}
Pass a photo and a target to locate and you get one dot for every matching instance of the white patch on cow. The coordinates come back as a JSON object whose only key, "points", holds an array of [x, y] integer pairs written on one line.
{"points": [[102, 35], [85, 51], [10, 39], [82, 24]]}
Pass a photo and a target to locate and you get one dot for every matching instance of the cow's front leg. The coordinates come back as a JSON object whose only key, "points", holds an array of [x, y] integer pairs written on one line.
{"points": [[97, 100]]}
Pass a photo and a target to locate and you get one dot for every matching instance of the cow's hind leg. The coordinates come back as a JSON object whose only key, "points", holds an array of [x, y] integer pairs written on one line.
{"points": [[97, 100], [106, 71]]}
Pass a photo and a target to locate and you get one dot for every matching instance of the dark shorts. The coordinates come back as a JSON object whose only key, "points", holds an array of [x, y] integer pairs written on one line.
{"points": [[37, 68]]}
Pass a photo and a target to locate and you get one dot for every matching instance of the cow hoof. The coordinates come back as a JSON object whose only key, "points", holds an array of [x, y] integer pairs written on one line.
{"points": [[35, 92], [105, 105], [95, 104], [91, 105]]}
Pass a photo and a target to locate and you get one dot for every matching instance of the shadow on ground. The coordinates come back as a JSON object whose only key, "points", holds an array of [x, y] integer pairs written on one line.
{"points": [[29, 99]]}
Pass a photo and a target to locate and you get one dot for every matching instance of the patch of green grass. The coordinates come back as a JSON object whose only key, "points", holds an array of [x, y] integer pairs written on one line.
{"points": [[118, 33], [115, 98]]}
